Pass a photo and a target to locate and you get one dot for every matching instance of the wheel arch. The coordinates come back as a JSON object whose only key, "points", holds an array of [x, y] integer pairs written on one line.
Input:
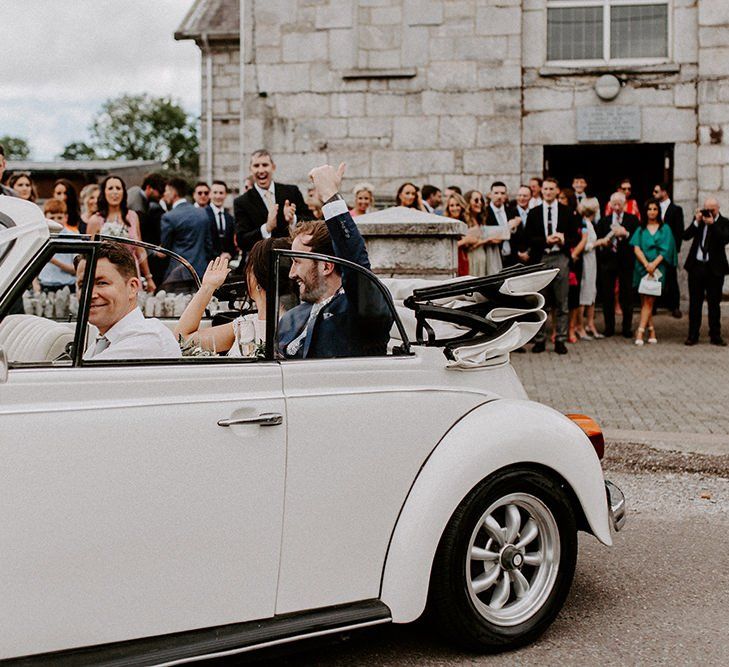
{"points": [[493, 437]]}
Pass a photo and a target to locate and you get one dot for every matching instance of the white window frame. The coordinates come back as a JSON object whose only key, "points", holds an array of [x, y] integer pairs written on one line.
{"points": [[606, 59]]}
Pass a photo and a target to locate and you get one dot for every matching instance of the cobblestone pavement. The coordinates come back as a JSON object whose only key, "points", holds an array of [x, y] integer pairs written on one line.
{"points": [[650, 393]]}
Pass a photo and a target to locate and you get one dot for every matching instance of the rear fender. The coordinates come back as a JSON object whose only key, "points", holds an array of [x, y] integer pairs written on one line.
{"points": [[495, 435]]}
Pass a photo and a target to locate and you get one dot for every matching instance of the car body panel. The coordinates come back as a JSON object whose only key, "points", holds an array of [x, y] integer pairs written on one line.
{"points": [[129, 512], [25, 238], [499, 434], [359, 432]]}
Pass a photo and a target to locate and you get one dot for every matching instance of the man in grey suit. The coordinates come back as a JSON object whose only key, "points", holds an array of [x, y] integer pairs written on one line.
{"points": [[186, 231]]}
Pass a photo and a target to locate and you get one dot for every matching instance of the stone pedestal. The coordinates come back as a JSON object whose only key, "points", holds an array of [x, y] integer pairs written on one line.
{"points": [[407, 243]]}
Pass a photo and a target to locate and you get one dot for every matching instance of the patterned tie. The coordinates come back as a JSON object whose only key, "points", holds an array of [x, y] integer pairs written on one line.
{"points": [[102, 342]]}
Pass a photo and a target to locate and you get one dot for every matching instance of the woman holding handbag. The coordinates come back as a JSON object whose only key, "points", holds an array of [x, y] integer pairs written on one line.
{"points": [[653, 245]]}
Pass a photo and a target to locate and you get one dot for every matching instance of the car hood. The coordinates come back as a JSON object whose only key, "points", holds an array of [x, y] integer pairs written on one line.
{"points": [[23, 231]]}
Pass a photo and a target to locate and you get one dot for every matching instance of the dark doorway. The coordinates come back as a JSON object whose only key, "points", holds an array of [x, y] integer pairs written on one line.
{"points": [[605, 164]]}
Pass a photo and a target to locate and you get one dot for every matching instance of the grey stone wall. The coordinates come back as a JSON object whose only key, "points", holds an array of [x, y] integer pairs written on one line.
{"points": [[713, 95], [428, 90], [453, 91]]}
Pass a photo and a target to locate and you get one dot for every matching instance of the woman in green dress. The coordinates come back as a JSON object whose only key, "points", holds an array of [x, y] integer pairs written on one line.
{"points": [[653, 245]]}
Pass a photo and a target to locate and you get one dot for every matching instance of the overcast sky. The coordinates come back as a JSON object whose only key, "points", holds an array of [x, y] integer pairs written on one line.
{"points": [[62, 58]]}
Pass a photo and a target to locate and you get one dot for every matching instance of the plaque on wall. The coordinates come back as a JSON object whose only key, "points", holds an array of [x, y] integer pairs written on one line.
{"points": [[608, 123]]}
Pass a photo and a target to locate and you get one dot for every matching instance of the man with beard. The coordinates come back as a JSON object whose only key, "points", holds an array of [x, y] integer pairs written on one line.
{"points": [[343, 313]]}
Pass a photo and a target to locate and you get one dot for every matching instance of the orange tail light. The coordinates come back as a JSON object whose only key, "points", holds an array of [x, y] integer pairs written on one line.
{"points": [[592, 431]]}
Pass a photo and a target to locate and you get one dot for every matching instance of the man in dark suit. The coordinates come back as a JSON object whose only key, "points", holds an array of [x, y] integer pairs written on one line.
{"points": [[616, 261], [144, 201], [707, 265], [268, 208], [551, 229], [222, 224], [343, 313], [672, 216], [186, 231]]}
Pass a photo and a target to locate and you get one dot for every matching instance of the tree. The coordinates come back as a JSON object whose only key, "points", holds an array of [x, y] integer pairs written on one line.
{"points": [[16, 148], [78, 150], [142, 127]]}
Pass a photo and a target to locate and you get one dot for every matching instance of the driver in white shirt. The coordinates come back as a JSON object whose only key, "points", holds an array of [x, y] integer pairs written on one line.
{"points": [[124, 332]]}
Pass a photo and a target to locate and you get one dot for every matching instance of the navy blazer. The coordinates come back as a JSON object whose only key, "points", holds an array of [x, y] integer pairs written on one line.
{"points": [[357, 321], [186, 230], [224, 242]]}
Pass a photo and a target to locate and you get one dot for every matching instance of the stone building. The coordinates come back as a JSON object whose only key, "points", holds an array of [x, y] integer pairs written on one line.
{"points": [[466, 91]]}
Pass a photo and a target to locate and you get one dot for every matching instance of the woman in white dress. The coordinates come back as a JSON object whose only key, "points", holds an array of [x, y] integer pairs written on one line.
{"points": [[246, 335]]}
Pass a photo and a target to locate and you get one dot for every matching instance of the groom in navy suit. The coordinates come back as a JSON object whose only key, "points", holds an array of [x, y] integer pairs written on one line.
{"points": [[343, 313]]}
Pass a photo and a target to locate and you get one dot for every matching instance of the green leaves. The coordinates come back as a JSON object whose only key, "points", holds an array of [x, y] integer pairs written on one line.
{"points": [[142, 127], [16, 148]]}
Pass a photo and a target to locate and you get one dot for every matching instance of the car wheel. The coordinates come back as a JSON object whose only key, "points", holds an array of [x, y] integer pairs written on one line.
{"points": [[505, 562]]}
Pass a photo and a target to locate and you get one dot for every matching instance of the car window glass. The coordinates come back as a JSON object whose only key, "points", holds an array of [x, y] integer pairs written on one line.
{"points": [[167, 308], [329, 309], [39, 325]]}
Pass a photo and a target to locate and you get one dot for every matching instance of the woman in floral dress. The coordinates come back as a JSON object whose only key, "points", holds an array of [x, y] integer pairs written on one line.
{"points": [[113, 218]]}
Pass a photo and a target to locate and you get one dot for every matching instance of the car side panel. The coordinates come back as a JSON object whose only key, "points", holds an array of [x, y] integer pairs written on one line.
{"points": [[359, 431], [126, 511], [493, 436]]}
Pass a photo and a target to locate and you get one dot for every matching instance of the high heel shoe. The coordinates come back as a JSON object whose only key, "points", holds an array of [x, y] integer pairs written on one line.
{"points": [[639, 336], [594, 333], [652, 336]]}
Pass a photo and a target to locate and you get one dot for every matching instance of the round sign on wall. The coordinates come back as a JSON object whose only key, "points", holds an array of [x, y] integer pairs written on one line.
{"points": [[607, 87]]}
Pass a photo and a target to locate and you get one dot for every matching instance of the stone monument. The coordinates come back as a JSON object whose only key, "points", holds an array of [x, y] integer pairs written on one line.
{"points": [[407, 243]]}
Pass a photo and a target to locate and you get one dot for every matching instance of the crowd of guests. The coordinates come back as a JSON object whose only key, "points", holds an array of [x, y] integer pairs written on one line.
{"points": [[613, 253], [623, 250]]}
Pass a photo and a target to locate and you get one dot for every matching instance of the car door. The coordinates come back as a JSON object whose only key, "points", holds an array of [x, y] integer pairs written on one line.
{"points": [[360, 428], [126, 509]]}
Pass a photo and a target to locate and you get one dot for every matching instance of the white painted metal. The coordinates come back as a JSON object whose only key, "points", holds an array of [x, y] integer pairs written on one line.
{"points": [[127, 511], [494, 436], [29, 234]]}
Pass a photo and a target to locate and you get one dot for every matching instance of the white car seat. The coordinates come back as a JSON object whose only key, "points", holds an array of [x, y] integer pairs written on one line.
{"points": [[32, 338]]}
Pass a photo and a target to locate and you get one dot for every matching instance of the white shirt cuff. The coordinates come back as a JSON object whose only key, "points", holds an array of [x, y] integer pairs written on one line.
{"points": [[264, 232], [334, 208]]}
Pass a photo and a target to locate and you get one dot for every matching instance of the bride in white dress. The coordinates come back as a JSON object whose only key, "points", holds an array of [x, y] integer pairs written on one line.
{"points": [[246, 335]]}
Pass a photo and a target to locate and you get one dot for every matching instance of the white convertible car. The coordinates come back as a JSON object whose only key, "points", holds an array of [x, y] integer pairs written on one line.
{"points": [[165, 511]]}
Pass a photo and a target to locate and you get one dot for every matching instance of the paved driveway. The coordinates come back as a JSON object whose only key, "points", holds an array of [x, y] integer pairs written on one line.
{"points": [[667, 395]]}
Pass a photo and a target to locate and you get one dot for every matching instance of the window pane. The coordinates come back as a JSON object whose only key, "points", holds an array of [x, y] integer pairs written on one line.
{"points": [[639, 31], [574, 33]]}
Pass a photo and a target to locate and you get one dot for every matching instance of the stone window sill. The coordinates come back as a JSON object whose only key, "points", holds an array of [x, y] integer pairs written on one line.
{"points": [[616, 68], [367, 73]]}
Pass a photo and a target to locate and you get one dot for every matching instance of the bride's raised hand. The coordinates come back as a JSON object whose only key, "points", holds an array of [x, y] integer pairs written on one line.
{"points": [[216, 273]]}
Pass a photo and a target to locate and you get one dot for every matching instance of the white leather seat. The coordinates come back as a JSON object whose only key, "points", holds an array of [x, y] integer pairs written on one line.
{"points": [[32, 338]]}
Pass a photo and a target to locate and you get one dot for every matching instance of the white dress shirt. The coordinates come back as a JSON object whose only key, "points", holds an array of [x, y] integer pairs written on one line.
{"points": [[702, 251], [217, 215], [264, 195], [135, 337], [500, 214], [664, 207]]}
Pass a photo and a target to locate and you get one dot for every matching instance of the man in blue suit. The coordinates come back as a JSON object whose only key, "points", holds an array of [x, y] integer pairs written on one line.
{"points": [[186, 231], [343, 312]]}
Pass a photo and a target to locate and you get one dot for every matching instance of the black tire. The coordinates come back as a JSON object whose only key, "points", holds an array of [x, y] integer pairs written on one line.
{"points": [[465, 615]]}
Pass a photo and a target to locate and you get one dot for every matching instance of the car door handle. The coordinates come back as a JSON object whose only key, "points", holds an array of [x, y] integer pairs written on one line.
{"points": [[266, 419]]}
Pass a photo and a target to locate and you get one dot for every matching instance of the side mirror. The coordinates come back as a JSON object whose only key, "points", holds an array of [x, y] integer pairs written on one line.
{"points": [[3, 367]]}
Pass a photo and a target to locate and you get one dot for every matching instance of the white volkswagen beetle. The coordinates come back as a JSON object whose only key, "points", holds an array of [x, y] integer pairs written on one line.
{"points": [[161, 511]]}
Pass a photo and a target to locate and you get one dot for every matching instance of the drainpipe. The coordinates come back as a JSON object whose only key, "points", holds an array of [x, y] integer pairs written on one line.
{"points": [[242, 162], [208, 108]]}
